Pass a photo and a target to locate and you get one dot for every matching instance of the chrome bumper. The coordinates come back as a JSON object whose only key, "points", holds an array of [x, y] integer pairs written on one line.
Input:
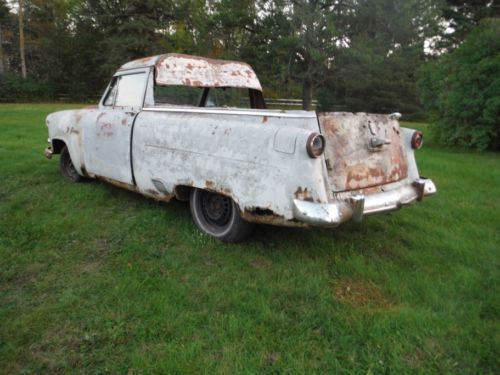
{"points": [[48, 152], [358, 205]]}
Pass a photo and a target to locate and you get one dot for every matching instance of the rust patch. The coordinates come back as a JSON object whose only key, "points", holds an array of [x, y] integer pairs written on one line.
{"points": [[84, 170], [196, 71], [100, 115], [117, 183], [78, 116], [267, 216], [264, 119], [303, 194], [351, 162], [105, 130], [152, 192], [124, 121], [212, 186], [360, 293]]}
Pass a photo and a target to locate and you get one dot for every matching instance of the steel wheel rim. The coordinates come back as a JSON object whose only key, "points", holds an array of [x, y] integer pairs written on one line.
{"points": [[216, 209]]}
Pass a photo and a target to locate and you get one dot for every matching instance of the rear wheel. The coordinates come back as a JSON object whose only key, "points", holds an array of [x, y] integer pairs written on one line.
{"points": [[218, 216], [68, 170]]}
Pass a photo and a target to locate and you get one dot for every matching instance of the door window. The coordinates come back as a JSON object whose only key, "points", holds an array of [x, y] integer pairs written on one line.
{"points": [[130, 90]]}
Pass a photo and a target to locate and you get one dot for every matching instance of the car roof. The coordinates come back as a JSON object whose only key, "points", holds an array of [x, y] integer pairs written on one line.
{"points": [[197, 71]]}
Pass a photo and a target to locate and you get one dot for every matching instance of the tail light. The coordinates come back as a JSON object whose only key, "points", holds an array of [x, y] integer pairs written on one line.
{"points": [[417, 140], [315, 145]]}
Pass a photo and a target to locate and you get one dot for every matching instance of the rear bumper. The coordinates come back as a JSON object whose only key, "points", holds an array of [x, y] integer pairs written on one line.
{"points": [[358, 205]]}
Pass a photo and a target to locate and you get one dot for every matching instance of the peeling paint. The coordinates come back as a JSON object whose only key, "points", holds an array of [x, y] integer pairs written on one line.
{"points": [[257, 157], [352, 163], [196, 71]]}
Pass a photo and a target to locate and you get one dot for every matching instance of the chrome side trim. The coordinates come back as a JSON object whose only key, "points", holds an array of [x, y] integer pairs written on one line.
{"points": [[237, 112]]}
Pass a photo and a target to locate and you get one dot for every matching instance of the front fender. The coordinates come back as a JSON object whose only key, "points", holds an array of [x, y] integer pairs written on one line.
{"points": [[64, 126]]}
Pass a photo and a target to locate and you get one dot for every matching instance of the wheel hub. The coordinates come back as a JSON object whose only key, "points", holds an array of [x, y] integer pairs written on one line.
{"points": [[216, 208]]}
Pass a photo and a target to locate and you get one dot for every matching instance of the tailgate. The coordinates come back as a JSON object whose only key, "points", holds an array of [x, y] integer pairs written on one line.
{"points": [[362, 150]]}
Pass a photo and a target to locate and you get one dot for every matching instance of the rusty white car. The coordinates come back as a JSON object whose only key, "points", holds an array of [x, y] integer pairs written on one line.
{"points": [[197, 129]]}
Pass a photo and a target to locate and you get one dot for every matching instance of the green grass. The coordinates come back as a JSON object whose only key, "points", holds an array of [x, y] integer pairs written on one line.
{"points": [[98, 279]]}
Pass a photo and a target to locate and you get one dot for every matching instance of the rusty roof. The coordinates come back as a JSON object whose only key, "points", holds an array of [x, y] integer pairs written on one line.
{"points": [[196, 71]]}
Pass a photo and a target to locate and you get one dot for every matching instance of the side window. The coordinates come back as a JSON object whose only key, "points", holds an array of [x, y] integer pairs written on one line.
{"points": [[178, 95], [110, 98], [130, 90]]}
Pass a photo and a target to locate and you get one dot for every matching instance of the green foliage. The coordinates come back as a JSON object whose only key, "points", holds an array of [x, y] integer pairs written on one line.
{"points": [[15, 89], [461, 90], [326, 100], [362, 54], [96, 279], [462, 16]]}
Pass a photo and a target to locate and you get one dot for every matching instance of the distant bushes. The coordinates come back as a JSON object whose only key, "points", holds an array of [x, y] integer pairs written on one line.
{"points": [[15, 89], [461, 91]]}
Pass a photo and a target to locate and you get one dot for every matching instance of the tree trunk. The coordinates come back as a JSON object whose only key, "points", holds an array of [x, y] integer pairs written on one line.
{"points": [[1, 52], [21, 39], [307, 90]]}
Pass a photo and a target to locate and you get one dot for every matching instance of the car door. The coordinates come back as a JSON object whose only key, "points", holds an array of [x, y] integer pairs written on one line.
{"points": [[107, 141]]}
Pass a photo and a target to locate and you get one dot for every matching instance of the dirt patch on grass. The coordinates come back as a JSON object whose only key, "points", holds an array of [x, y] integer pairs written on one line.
{"points": [[416, 359], [59, 348], [90, 267], [260, 263], [270, 358], [360, 293]]}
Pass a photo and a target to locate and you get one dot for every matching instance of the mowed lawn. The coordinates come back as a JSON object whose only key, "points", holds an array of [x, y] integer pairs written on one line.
{"points": [[101, 280]]}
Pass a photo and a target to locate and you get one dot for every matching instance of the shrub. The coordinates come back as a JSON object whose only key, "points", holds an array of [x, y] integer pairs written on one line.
{"points": [[461, 90], [15, 89]]}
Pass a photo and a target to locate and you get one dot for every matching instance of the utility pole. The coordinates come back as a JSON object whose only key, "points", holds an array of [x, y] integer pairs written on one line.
{"points": [[21, 39]]}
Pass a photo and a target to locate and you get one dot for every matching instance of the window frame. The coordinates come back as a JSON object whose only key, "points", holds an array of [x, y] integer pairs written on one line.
{"points": [[115, 80]]}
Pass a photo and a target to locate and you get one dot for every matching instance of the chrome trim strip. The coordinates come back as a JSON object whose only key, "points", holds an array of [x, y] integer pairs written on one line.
{"points": [[238, 112]]}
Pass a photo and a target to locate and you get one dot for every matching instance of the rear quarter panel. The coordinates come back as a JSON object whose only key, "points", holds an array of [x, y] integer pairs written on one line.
{"points": [[258, 160]]}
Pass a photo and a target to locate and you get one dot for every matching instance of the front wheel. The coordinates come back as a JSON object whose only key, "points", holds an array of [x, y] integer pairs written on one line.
{"points": [[68, 170], [218, 216]]}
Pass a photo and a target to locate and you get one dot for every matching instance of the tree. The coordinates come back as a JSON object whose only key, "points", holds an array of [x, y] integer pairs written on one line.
{"points": [[21, 39], [461, 16], [312, 43], [382, 47], [461, 90]]}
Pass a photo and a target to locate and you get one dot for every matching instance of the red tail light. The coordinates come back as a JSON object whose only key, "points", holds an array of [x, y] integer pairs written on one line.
{"points": [[417, 140], [315, 145]]}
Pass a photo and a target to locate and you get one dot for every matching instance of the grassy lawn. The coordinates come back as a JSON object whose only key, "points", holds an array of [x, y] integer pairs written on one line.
{"points": [[98, 279]]}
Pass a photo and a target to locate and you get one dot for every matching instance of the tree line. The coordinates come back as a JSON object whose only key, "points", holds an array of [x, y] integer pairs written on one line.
{"points": [[357, 55]]}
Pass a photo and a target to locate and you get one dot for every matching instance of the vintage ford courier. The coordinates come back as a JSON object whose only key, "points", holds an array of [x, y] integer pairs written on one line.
{"points": [[198, 129]]}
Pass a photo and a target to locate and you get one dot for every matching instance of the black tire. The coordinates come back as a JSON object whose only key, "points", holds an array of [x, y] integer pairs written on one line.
{"points": [[218, 216], [68, 170]]}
